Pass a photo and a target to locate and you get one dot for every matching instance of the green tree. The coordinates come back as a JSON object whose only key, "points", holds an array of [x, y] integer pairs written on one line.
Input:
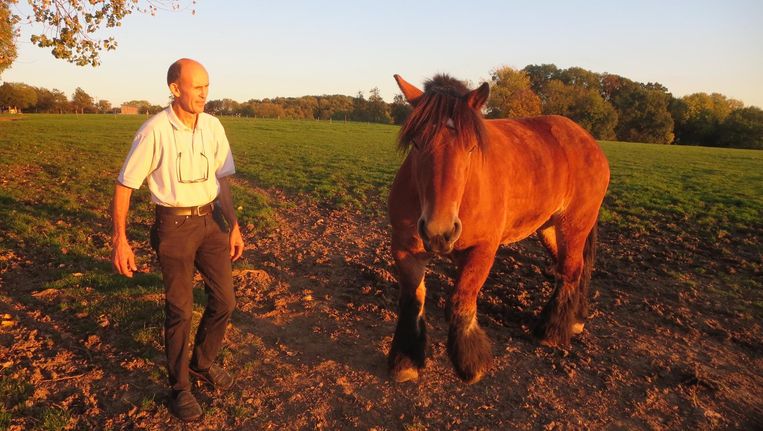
{"points": [[82, 101], [69, 27], [377, 109], [642, 109], [400, 109], [540, 75], [743, 128], [580, 77], [698, 117], [586, 106], [359, 111], [511, 95], [575, 93]]}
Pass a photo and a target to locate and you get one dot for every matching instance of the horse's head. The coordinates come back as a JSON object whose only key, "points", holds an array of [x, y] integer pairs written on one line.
{"points": [[444, 134]]}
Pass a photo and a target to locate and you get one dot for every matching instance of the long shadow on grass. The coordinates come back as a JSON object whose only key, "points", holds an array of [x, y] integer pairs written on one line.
{"points": [[23, 234], [108, 327], [74, 302]]}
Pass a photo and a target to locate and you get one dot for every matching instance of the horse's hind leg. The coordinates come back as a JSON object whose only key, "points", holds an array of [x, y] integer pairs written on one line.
{"points": [[407, 353], [468, 345], [589, 256], [549, 240], [559, 320]]}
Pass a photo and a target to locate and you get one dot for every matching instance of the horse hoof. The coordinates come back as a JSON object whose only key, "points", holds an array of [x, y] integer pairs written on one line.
{"points": [[474, 379], [405, 375], [577, 328], [549, 343]]}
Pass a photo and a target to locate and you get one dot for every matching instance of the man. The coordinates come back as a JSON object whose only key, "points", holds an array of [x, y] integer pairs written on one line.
{"points": [[184, 156]]}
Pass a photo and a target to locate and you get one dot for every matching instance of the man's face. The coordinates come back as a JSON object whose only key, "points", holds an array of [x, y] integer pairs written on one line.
{"points": [[191, 89]]}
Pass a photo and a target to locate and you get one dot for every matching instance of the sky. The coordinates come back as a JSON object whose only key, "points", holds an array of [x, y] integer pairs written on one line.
{"points": [[262, 49]]}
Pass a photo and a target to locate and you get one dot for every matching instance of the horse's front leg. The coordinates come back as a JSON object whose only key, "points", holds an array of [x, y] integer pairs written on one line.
{"points": [[468, 345], [407, 353]]}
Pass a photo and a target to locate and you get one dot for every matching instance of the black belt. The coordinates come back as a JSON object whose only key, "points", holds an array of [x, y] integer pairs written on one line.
{"points": [[200, 210]]}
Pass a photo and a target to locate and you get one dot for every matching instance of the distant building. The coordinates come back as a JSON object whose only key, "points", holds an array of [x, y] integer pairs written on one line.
{"points": [[11, 110], [128, 110]]}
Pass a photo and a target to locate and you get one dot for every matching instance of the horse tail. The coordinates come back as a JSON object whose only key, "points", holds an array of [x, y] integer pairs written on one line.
{"points": [[589, 254], [589, 257]]}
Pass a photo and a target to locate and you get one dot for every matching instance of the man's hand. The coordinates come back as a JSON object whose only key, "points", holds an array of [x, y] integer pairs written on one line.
{"points": [[123, 258], [236, 243]]}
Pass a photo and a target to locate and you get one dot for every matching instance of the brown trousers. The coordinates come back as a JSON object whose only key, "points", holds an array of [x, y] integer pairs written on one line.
{"points": [[183, 244]]}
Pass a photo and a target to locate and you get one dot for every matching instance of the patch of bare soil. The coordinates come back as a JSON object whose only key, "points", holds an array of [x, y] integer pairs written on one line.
{"points": [[662, 349]]}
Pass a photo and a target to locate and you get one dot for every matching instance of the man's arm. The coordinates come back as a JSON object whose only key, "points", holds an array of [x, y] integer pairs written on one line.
{"points": [[226, 204], [122, 256]]}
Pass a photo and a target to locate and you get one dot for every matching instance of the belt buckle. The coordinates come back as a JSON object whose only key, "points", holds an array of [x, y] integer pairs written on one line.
{"points": [[198, 209]]}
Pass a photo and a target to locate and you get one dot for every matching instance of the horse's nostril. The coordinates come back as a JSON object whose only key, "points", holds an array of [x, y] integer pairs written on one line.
{"points": [[455, 233], [422, 229]]}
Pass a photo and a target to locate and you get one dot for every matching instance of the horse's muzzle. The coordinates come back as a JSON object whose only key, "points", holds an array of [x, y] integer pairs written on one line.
{"points": [[441, 242]]}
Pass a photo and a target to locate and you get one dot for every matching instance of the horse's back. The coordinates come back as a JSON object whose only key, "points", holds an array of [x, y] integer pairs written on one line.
{"points": [[553, 142], [587, 163], [547, 130], [548, 165]]}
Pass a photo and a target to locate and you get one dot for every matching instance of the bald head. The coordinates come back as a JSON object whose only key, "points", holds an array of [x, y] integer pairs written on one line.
{"points": [[176, 69]]}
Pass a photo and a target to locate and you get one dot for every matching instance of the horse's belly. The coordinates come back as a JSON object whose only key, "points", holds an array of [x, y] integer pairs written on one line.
{"points": [[519, 233], [520, 226]]}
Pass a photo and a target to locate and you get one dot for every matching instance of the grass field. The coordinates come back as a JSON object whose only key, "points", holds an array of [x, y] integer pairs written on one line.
{"points": [[57, 175], [59, 172]]}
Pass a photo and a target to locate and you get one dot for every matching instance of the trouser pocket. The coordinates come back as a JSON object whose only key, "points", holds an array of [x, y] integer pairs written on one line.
{"points": [[219, 218]]}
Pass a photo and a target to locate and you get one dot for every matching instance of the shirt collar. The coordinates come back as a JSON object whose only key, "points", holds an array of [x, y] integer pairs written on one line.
{"points": [[177, 124]]}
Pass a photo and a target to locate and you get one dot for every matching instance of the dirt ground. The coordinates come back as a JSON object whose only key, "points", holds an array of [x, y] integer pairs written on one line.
{"points": [[663, 349]]}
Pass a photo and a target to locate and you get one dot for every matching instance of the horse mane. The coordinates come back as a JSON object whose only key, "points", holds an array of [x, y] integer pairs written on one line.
{"points": [[443, 99]]}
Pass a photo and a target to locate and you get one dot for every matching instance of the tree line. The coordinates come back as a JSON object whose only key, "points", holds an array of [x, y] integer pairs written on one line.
{"points": [[609, 106], [27, 98], [614, 107], [326, 107], [374, 109]]}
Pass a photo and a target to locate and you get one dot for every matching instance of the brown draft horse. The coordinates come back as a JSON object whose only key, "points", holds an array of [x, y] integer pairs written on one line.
{"points": [[469, 185]]}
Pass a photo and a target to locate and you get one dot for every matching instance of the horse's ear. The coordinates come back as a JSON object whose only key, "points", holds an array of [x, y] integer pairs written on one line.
{"points": [[477, 98], [411, 93]]}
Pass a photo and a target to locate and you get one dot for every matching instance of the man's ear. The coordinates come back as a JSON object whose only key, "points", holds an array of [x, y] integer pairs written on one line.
{"points": [[175, 89], [411, 93]]}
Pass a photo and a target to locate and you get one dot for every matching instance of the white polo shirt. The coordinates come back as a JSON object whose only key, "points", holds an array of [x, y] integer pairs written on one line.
{"points": [[180, 165]]}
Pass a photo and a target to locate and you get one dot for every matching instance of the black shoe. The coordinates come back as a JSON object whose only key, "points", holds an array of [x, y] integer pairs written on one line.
{"points": [[215, 376], [183, 405]]}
